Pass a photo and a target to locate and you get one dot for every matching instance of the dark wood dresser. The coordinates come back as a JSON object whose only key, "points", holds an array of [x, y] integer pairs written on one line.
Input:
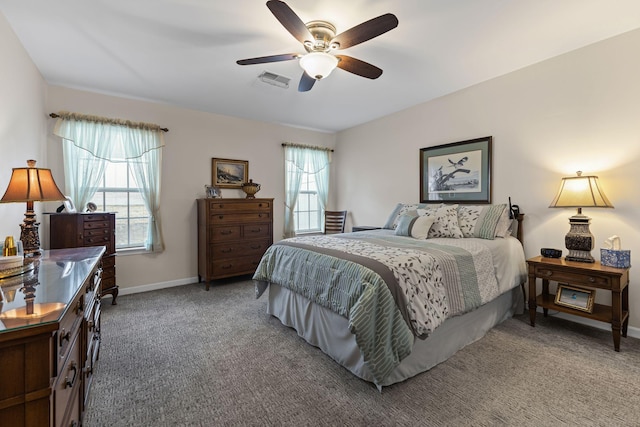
{"points": [[233, 234], [50, 338], [77, 230]]}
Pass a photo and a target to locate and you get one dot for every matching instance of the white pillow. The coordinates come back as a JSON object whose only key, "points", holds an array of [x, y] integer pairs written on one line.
{"points": [[414, 226], [446, 222]]}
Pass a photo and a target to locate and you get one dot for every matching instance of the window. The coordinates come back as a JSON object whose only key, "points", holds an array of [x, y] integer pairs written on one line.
{"points": [[308, 212], [116, 165], [119, 193], [306, 188]]}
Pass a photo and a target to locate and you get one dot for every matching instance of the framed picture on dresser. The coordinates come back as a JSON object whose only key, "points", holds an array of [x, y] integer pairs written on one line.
{"points": [[227, 173]]}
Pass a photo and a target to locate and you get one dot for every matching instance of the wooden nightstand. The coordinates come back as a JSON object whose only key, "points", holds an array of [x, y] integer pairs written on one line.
{"points": [[587, 275], [364, 228]]}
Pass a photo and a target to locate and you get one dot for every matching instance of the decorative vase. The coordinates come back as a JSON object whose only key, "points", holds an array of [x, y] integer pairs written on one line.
{"points": [[250, 188]]}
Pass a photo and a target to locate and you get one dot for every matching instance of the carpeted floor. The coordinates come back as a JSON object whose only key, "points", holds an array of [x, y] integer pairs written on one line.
{"points": [[186, 357]]}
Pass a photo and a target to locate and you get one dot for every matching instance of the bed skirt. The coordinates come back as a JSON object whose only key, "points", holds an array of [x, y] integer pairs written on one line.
{"points": [[329, 331]]}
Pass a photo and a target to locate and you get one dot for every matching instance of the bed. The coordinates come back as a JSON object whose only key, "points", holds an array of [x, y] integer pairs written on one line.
{"points": [[389, 304]]}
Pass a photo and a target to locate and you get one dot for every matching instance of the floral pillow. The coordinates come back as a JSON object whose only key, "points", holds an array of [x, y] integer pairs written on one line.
{"points": [[402, 209], [445, 222], [484, 221], [414, 226]]}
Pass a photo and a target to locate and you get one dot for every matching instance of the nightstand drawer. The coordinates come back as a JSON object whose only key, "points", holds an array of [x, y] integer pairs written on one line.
{"points": [[593, 280]]}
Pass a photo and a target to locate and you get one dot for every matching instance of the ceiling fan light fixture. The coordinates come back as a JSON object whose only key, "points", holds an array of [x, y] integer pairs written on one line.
{"points": [[318, 64]]}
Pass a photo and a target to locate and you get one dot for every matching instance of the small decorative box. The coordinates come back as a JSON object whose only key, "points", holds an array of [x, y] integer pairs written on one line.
{"points": [[615, 258]]}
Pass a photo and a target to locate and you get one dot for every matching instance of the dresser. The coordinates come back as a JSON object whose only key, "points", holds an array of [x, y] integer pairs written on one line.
{"points": [[76, 230], [49, 338], [233, 234]]}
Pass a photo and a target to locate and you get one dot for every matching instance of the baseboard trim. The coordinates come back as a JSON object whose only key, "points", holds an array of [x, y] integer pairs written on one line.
{"points": [[631, 331], [156, 286]]}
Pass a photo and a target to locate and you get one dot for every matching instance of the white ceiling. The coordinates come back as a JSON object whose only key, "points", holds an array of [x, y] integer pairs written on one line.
{"points": [[183, 52]]}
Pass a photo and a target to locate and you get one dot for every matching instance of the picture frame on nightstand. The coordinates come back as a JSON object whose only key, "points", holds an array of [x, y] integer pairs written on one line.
{"points": [[576, 298]]}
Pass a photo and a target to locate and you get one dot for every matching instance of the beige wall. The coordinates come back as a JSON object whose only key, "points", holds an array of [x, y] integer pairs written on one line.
{"points": [[22, 122], [193, 139], [576, 111], [579, 111]]}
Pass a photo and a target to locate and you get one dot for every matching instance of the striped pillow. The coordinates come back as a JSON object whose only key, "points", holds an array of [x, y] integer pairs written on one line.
{"points": [[484, 221], [414, 226]]}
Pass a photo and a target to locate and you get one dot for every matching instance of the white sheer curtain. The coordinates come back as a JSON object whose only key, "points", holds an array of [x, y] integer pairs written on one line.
{"points": [[84, 157], [89, 142], [143, 148], [298, 160]]}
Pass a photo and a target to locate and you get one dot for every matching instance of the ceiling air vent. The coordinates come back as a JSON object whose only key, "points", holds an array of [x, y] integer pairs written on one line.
{"points": [[275, 79]]}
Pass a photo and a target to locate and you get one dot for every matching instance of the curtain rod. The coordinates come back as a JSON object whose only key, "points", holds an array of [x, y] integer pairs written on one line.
{"points": [[123, 122], [289, 144]]}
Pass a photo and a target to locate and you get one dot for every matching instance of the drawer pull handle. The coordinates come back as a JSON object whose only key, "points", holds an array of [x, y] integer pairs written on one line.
{"points": [[74, 368], [548, 273], [226, 251], [592, 279], [255, 246], [64, 335], [221, 216], [227, 266], [256, 230], [225, 232]]}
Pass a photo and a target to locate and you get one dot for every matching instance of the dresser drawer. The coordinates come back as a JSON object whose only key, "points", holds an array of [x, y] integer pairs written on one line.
{"points": [[93, 225], [235, 266], [236, 206], [243, 217], [100, 240], [239, 249], [225, 233], [69, 326], [594, 280], [67, 384], [94, 217]]}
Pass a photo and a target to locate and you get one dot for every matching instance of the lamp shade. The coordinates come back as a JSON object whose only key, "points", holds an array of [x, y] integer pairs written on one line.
{"points": [[318, 64], [580, 192], [32, 184]]}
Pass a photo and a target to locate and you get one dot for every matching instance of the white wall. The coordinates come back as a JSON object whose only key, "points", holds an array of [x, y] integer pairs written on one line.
{"points": [[22, 122], [578, 111], [193, 139]]}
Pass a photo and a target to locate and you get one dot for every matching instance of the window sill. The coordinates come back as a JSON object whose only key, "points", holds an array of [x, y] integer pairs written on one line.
{"points": [[131, 251], [310, 233]]}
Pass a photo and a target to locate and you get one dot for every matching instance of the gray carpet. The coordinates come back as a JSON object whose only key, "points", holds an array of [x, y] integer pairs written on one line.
{"points": [[186, 357]]}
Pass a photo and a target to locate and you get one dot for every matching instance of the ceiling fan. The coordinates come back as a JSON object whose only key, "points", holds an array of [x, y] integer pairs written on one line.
{"points": [[320, 40]]}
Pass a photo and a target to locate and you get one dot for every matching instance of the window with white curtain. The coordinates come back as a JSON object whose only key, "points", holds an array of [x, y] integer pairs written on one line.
{"points": [[119, 193], [306, 188], [116, 165], [308, 211]]}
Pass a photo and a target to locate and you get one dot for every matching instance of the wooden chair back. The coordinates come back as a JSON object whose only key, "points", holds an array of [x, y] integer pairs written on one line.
{"points": [[334, 221]]}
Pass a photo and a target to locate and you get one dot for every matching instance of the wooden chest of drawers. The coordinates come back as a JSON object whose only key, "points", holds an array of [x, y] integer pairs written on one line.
{"points": [[46, 361], [76, 230], [233, 234]]}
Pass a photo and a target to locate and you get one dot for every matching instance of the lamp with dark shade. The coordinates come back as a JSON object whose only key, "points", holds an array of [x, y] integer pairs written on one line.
{"points": [[30, 185], [580, 192]]}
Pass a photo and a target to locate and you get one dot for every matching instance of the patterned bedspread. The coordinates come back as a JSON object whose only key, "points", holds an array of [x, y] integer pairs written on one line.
{"points": [[390, 288]]}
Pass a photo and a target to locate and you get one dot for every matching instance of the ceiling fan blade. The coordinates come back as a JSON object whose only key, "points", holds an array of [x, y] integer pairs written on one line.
{"points": [[271, 58], [290, 20], [356, 66], [366, 31], [306, 83]]}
